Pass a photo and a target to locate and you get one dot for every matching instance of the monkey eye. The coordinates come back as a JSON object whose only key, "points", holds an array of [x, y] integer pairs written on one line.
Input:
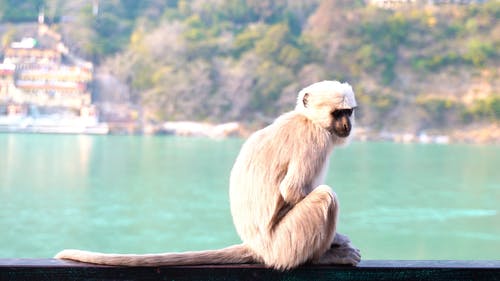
{"points": [[338, 113]]}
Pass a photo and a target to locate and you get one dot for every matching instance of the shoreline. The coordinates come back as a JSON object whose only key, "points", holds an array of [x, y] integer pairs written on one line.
{"points": [[472, 134]]}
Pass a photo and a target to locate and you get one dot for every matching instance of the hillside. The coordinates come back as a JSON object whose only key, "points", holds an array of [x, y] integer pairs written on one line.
{"points": [[417, 69]]}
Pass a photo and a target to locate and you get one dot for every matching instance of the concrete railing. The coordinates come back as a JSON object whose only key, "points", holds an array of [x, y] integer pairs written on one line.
{"points": [[52, 269]]}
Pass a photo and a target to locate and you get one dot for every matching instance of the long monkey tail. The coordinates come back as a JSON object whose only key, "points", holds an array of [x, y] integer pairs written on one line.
{"points": [[230, 255]]}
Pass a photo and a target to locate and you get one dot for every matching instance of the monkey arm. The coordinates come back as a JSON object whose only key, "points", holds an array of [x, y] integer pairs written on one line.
{"points": [[297, 183], [307, 159], [290, 187]]}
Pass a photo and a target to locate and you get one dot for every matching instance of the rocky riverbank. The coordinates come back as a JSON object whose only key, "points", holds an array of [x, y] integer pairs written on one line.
{"points": [[484, 134]]}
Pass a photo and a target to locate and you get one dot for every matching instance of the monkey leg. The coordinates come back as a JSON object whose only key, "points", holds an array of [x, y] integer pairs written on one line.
{"points": [[305, 233]]}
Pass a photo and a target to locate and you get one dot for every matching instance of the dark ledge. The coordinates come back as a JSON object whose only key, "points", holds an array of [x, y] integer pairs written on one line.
{"points": [[52, 269]]}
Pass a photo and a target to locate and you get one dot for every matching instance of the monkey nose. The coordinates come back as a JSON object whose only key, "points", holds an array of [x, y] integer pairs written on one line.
{"points": [[346, 127]]}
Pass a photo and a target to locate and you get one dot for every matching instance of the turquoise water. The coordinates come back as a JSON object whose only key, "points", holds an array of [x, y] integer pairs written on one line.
{"points": [[154, 194]]}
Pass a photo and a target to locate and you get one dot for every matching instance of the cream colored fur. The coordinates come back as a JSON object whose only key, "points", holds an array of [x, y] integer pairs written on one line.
{"points": [[281, 209]]}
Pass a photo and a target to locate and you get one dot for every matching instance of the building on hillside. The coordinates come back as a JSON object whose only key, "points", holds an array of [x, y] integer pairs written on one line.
{"points": [[36, 76], [39, 78], [7, 87]]}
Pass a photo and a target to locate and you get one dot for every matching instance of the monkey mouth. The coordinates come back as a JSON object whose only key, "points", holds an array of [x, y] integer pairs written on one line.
{"points": [[341, 133]]}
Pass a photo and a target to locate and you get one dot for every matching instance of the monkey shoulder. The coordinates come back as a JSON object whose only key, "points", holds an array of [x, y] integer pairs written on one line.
{"points": [[291, 135], [299, 130]]}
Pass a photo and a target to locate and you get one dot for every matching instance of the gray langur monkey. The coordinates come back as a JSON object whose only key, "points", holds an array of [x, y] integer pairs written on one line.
{"points": [[283, 213]]}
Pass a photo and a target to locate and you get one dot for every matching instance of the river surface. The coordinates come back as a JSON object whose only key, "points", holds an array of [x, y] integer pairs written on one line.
{"points": [[154, 194]]}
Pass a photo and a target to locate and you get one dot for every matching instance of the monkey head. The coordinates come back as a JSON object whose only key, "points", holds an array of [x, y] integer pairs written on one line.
{"points": [[330, 104]]}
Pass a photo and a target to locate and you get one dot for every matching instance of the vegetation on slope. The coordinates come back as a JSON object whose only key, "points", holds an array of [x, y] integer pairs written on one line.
{"points": [[425, 68]]}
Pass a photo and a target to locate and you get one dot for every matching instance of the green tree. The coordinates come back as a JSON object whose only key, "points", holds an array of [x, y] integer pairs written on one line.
{"points": [[20, 11]]}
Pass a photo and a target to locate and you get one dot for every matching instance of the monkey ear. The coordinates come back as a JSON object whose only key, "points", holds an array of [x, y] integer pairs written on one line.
{"points": [[305, 99]]}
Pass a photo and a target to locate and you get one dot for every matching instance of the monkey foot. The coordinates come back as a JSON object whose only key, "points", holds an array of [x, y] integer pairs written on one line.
{"points": [[340, 240], [345, 254]]}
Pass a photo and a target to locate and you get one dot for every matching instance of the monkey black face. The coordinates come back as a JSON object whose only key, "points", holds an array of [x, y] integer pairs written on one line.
{"points": [[341, 122]]}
